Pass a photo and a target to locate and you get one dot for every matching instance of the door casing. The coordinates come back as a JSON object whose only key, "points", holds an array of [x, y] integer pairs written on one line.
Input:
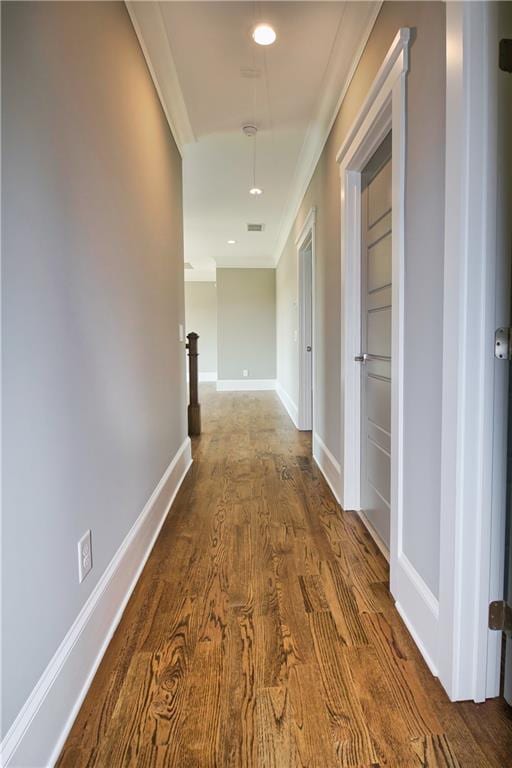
{"points": [[476, 302], [383, 110]]}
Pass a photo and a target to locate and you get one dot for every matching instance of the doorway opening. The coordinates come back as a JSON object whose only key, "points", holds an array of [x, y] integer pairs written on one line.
{"points": [[305, 244]]}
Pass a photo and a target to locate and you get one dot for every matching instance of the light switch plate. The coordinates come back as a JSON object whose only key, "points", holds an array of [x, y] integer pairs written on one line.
{"points": [[84, 556], [245, 373], [181, 332]]}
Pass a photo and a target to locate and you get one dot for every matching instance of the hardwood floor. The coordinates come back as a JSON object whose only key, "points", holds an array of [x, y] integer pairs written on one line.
{"points": [[262, 632]]}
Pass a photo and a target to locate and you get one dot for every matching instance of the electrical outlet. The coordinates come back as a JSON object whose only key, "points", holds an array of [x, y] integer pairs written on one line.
{"points": [[245, 373], [84, 556]]}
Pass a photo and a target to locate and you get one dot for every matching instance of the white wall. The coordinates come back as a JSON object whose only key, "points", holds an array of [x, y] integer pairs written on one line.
{"points": [[201, 317], [246, 323], [424, 225], [94, 398]]}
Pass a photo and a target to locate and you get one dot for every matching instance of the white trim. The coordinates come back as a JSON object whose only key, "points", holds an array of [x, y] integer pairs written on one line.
{"points": [[384, 109], [318, 133], [151, 32], [245, 385], [373, 533], [476, 294], [328, 465], [208, 376], [417, 639], [307, 227], [291, 408], [419, 608], [306, 412], [38, 734]]}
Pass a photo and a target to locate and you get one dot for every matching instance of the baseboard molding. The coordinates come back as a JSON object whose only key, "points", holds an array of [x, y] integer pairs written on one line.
{"points": [[419, 609], [38, 734], [328, 465], [291, 408], [244, 385], [373, 533]]}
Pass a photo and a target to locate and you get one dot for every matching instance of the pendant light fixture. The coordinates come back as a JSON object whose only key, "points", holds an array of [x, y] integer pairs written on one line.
{"points": [[251, 131]]}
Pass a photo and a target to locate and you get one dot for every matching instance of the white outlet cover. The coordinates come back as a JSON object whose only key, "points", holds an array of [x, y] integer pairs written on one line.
{"points": [[181, 332], [84, 556], [245, 372]]}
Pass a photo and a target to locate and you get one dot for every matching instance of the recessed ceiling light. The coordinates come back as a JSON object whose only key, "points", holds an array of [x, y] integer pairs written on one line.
{"points": [[231, 242], [264, 34], [255, 191]]}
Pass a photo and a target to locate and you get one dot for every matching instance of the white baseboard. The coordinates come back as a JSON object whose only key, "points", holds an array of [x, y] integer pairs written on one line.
{"points": [[244, 385], [419, 609], [293, 411], [373, 533], [328, 465], [208, 376], [37, 736]]}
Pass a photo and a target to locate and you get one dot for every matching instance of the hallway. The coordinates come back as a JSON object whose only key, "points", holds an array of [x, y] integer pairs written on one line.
{"points": [[262, 633]]}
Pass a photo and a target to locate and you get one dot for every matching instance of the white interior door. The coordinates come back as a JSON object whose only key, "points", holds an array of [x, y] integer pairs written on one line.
{"points": [[376, 269], [306, 335]]}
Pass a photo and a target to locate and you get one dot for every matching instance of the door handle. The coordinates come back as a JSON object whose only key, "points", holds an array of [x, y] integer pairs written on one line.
{"points": [[366, 358]]}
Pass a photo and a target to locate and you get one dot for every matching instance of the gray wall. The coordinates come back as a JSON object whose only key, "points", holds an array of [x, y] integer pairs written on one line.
{"points": [[424, 272], [94, 397], [246, 323], [201, 317]]}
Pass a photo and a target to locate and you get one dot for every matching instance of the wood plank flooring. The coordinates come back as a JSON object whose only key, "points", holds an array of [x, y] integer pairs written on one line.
{"points": [[262, 632]]}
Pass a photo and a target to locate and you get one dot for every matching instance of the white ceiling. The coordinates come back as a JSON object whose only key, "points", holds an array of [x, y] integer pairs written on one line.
{"points": [[198, 53]]}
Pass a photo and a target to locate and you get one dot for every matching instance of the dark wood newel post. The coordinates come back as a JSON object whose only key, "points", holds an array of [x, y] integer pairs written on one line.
{"points": [[194, 409]]}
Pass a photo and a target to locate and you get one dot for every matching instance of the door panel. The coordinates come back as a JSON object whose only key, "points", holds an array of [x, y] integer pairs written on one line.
{"points": [[378, 402], [379, 332], [376, 276], [379, 263], [379, 436], [378, 469], [380, 298], [379, 195], [377, 511]]}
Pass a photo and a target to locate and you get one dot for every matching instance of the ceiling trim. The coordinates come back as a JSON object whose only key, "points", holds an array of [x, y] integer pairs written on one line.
{"points": [[317, 135], [149, 27]]}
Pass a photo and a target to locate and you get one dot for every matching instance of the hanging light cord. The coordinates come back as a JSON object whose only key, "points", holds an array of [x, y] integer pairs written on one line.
{"points": [[254, 162]]}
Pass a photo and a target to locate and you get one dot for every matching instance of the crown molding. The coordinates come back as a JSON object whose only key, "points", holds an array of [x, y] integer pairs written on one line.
{"points": [[149, 26], [320, 126]]}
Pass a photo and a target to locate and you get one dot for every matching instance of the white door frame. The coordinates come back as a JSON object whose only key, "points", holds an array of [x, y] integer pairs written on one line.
{"points": [[306, 410], [476, 301], [383, 110]]}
